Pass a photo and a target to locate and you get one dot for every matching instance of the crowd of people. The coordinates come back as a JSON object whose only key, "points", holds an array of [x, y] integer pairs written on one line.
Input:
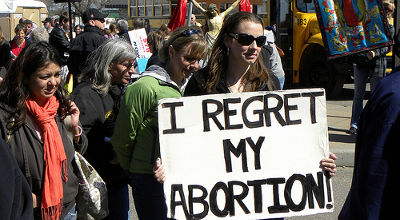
{"points": [[113, 120]]}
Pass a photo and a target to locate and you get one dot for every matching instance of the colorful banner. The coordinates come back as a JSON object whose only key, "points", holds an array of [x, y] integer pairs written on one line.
{"points": [[352, 26]]}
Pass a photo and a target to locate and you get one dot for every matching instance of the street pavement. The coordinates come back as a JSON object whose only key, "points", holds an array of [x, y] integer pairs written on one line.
{"points": [[339, 116], [340, 143]]}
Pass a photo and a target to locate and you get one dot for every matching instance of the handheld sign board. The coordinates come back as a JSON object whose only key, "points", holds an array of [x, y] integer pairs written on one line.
{"points": [[245, 156]]}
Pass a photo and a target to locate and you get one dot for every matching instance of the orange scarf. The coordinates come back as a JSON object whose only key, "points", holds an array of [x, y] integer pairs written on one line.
{"points": [[54, 157]]}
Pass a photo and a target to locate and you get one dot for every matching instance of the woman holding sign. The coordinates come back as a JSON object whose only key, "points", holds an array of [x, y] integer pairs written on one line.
{"points": [[235, 66], [135, 138]]}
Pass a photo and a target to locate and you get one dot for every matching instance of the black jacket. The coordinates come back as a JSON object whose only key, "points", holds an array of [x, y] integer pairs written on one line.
{"points": [[124, 35], [16, 197], [59, 40], [98, 117], [27, 148], [196, 84], [81, 47], [154, 60], [5, 55]]}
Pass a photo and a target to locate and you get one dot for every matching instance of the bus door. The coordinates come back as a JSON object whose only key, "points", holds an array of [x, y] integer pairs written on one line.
{"points": [[281, 16]]}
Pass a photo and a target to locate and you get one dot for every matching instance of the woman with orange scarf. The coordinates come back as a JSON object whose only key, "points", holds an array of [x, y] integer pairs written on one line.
{"points": [[32, 109]]}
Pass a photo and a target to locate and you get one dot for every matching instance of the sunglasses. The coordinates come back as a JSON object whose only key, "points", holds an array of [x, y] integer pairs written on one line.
{"points": [[129, 65], [247, 39], [189, 32]]}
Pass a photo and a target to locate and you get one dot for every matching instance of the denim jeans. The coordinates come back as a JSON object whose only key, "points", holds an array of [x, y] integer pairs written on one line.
{"points": [[71, 214], [361, 75], [281, 82], [148, 195]]}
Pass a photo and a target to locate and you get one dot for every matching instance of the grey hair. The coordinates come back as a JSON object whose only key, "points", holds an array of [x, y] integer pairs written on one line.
{"points": [[97, 65], [39, 34], [122, 25]]}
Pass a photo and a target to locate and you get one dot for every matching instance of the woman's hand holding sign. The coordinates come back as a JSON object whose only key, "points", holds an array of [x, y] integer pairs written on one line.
{"points": [[328, 164], [158, 171]]}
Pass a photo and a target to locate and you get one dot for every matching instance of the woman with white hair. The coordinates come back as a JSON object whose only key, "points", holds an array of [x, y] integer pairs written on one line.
{"points": [[102, 84], [40, 34]]}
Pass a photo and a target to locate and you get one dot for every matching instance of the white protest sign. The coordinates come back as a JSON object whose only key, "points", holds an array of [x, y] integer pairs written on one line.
{"points": [[245, 156], [138, 39]]}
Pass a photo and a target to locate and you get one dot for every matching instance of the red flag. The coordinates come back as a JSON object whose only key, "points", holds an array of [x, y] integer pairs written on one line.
{"points": [[179, 15], [245, 5]]}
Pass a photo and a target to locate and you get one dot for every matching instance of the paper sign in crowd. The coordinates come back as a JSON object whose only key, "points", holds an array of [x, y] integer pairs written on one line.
{"points": [[138, 39]]}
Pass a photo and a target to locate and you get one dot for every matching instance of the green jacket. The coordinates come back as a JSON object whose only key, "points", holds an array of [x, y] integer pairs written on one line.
{"points": [[135, 138]]}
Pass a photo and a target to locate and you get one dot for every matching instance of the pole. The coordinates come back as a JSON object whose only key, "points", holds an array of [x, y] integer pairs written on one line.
{"points": [[129, 9], [190, 8], [70, 21], [396, 29]]}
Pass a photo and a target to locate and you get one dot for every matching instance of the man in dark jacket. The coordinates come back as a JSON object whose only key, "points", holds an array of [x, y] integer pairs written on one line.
{"points": [[59, 40], [374, 187], [123, 30], [84, 43]]}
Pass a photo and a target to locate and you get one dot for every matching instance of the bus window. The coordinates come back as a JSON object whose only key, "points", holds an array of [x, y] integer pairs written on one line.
{"points": [[284, 14], [305, 6]]}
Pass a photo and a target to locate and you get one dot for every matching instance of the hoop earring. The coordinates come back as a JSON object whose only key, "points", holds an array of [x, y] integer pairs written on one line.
{"points": [[227, 51]]}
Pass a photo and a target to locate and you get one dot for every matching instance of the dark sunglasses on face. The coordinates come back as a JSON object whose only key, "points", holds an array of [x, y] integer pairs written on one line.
{"points": [[247, 39], [130, 65], [102, 20]]}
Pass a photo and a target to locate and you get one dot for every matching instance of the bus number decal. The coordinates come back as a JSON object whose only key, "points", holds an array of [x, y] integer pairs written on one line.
{"points": [[302, 21]]}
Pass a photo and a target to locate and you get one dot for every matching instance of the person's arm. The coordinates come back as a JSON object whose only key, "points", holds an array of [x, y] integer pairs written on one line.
{"points": [[59, 40], [137, 102], [228, 10], [198, 6], [79, 138], [276, 65]]}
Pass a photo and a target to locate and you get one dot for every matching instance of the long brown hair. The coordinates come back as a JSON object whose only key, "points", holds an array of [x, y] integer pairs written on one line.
{"points": [[179, 40], [14, 90], [256, 76]]}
